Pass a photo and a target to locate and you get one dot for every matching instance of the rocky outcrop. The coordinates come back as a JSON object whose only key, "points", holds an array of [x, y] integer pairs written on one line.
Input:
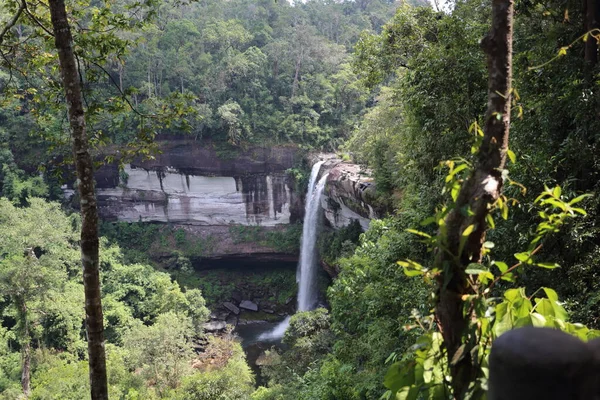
{"points": [[349, 193]]}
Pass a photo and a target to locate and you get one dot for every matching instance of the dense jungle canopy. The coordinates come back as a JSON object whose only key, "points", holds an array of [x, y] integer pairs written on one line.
{"points": [[483, 152]]}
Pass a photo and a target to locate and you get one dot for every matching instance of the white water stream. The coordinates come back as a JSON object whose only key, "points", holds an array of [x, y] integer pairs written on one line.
{"points": [[307, 265]]}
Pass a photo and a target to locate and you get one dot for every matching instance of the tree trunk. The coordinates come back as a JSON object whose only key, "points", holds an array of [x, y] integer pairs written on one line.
{"points": [[592, 21], [296, 77], [89, 213], [478, 194], [25, 347]]}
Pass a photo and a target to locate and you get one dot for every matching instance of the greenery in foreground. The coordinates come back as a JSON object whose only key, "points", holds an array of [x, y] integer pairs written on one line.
{"points": [[154, 329]]}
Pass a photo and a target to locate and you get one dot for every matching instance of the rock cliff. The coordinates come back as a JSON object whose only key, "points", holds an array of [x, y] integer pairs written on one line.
{"points": [[191, 182], [349, 193]]}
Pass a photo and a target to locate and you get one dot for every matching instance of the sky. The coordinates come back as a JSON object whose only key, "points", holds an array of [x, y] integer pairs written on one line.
{"points": [[443, 4]]}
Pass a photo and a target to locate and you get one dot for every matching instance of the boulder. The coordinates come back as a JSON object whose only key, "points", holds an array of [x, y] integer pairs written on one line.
{"points": [[248, 305], [232, 320], [215, 326], [231, 307], [219, 315]]}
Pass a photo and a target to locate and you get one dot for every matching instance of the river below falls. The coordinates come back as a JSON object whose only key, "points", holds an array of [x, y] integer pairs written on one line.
{"points": [[253, 346]]}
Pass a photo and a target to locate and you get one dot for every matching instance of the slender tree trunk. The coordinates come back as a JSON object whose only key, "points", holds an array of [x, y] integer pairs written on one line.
{"points": [[121, 73], [478, 194], [297, 75], [592, 21], [89, 213], [25, 346]]}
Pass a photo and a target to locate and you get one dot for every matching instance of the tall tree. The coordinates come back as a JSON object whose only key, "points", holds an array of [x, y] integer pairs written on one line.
{"points": [[86, 186], [592, 21], [467, 220]]}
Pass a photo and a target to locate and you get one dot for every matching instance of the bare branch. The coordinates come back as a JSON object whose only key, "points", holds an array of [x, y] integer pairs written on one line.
{"points": [[123, 96], [35, 20], [12, 22]]}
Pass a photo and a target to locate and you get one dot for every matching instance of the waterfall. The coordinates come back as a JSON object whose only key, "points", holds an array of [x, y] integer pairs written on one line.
{"points": [[307, 265]]}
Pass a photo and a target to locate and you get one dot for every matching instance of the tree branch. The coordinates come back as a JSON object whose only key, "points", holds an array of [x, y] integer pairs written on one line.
{"points": [[13, 21], [123, 96], [35, 20]]}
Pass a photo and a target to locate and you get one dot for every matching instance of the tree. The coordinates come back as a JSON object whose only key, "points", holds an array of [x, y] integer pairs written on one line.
{"points": [[86, 187], [466, 223], [36, 246], [591, 24]]}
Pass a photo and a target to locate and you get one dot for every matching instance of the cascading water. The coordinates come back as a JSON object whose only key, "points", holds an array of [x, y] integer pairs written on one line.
{"points": [[307, 288], [307, 265]]}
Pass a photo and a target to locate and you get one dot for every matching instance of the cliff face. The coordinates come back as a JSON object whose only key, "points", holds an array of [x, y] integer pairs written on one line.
{"points": [[207, 192], [349, 193], [192, 183]]}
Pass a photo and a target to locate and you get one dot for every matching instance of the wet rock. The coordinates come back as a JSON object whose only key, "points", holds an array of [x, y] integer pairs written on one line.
{"points": [[288, 300], [248, 305], [232, 320], [220, 315], [268, 310], [215, 326], [231, 307]]}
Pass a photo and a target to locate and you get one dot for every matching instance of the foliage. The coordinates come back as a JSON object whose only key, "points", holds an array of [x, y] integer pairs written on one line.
{"points": [[146, 242], [229, 378], [340, 243], [150, 321], [308, 340], [426, 368], [275, 285], [253, 72], [282, 240]]}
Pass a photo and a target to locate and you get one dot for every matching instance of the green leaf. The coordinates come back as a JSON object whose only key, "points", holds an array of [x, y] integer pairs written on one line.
{"points": [[399, 375], [502, 266], [490, 221], [556, 192], [547, 265], [544, 307], [523, 257], [464, 237], [412, 272], [538, 320], [551, 294], [513, 295], [504, 211], [419, 233], [428, 221], [475, 269], [579, 198], [511, 156]]}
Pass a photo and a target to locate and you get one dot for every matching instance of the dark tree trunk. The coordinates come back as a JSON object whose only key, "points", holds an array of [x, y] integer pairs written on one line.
{"points": [[478, 193], [89, 213], [592, 21]]}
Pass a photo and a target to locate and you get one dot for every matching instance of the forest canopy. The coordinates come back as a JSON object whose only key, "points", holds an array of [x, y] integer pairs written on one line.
{"points": [[402, 89]]}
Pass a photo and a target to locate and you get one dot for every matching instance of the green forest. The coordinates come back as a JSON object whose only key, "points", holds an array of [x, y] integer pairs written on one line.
{"points": [[474, 122]]}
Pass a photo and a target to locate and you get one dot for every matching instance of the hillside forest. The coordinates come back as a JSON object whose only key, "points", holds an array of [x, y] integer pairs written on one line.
{"points": [[475, 124]]}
